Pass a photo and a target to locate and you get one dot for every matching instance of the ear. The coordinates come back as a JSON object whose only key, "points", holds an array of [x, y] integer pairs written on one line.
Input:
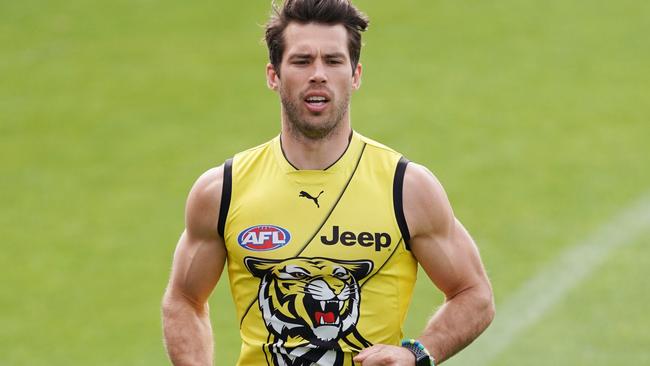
{"points": [[259, 267], [356, 77], [358, 269], [272, 78]]}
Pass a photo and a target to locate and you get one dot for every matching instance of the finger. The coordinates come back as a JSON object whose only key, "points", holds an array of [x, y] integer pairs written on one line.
{"points": [[364, 353], [376, 359], [367, 352]]}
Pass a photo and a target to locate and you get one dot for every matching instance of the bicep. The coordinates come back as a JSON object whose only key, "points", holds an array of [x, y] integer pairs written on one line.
{"points": [[451, 260], [197, 267], [200, 254], [439, 241]]}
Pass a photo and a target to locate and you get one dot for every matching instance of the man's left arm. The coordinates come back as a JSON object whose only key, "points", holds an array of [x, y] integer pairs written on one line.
{"points": [[450, 258]]}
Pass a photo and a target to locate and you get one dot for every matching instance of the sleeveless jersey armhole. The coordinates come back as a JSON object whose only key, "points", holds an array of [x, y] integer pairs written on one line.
{"points": [[226, 192], [398, 204]]}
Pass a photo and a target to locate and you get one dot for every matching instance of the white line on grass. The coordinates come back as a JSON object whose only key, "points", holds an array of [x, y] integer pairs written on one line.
{"points": [[528, 304]]}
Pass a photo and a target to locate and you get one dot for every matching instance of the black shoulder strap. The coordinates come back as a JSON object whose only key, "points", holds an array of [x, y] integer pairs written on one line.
{"points": [[226, 192], [398, 205]]}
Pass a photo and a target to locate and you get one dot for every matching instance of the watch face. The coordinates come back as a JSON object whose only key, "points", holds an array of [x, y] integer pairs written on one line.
{"points": [[422, 360]]}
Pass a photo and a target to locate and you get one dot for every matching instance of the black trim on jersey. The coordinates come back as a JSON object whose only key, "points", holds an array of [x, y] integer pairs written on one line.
{"points": [[398, 205], [344, 151], [285, 155], [241, 321], [331, 165], [226, 192]]}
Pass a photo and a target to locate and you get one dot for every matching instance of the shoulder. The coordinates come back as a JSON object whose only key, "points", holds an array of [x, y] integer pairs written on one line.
{"points": [[256, 151], [376, 145], [203, 202], [426, 206]]}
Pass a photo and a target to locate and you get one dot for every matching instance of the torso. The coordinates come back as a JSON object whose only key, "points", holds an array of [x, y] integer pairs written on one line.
{"points": [[317, 263]]}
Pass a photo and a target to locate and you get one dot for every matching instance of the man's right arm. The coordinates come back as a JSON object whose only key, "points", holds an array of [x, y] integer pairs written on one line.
{"points": [[198, 262]]}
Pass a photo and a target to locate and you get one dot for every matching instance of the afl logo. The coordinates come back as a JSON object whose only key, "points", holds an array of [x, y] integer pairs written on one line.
{"points": [[264, 237]]}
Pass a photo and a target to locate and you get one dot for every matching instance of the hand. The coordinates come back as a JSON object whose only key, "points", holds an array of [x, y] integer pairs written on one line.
{"points": [[385, 355]]}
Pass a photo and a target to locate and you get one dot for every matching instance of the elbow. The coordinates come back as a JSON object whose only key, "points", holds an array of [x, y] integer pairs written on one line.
{"points": [[487, 306], [175, 301], [479, 304], [168, 305], [480, 300], [490, 313]]}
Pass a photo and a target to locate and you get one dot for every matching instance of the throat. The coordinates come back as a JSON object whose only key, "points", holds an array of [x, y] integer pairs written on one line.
{"points": [[308, 154]]}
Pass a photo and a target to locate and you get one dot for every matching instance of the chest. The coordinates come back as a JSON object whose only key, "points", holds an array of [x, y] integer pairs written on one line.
{"points": [[344, 214]]}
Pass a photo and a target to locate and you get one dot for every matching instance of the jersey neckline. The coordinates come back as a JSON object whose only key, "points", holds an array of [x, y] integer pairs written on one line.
{"points": [[351, 151]]}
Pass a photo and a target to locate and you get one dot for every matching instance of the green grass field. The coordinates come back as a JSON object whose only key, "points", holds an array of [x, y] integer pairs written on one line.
{"points": [[534, 115]]}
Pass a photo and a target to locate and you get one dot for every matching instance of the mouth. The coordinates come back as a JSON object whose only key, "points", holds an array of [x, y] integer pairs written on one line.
{"points": [[316, 103], [325, 312]]}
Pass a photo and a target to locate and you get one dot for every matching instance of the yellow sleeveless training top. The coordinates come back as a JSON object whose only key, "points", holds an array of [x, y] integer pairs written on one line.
{"points": [[318, 261]]}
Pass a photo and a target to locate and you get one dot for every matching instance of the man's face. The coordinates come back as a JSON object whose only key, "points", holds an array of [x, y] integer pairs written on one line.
{"points": [[316, 78]]}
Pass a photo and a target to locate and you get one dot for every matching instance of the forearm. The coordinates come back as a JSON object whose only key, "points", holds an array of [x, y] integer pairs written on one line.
{"points": [[187, 332], [458, 322]]}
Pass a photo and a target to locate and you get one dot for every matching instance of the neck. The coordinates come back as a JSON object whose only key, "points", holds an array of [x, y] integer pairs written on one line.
{"points": [[315, 154]]}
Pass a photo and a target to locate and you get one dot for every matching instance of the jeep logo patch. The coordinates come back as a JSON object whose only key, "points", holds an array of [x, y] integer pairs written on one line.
{"points": [[364, 238]]}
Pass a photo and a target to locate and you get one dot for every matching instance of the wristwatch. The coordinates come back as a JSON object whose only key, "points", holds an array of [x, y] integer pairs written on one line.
{"points": [[422, 356]]}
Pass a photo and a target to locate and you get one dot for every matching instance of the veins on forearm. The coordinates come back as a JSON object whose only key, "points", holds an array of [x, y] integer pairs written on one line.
{"points": [[456, 324]]}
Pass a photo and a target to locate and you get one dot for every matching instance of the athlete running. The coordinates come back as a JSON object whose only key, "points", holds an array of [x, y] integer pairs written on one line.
{"points": [[322, 229]]}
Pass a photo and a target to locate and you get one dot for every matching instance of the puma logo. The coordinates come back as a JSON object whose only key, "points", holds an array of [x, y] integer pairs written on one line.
{"points": [[309, 196]]}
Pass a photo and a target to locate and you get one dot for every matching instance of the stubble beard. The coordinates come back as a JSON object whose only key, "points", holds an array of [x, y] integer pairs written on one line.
{"points": [[298, 124]]}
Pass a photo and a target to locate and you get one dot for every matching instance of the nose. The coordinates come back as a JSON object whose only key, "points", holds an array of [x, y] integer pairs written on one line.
{"points": [[318, 75], [337, 286]]}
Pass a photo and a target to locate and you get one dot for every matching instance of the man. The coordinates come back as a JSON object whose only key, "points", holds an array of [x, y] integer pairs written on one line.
{"points": [[321, 227]]}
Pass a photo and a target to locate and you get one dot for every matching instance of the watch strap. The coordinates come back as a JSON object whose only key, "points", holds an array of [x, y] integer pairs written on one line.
{"points": [[422, 355]]}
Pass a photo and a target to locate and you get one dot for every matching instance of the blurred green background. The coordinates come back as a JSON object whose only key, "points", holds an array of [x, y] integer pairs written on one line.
{"points": [[534, 115]]}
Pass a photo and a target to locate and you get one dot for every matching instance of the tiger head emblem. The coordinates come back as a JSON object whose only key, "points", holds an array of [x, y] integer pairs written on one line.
{"points": [[311, 301]]}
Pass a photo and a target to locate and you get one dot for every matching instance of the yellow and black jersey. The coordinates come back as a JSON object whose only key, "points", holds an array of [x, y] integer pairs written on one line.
{"points": [[318, 261]]}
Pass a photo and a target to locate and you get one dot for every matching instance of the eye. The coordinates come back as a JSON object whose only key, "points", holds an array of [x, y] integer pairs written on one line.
{"points": [[339, 273], [293, 273]]}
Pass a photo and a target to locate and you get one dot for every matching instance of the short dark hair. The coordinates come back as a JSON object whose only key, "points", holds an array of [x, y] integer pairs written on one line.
{"points": [[330, 12]]}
